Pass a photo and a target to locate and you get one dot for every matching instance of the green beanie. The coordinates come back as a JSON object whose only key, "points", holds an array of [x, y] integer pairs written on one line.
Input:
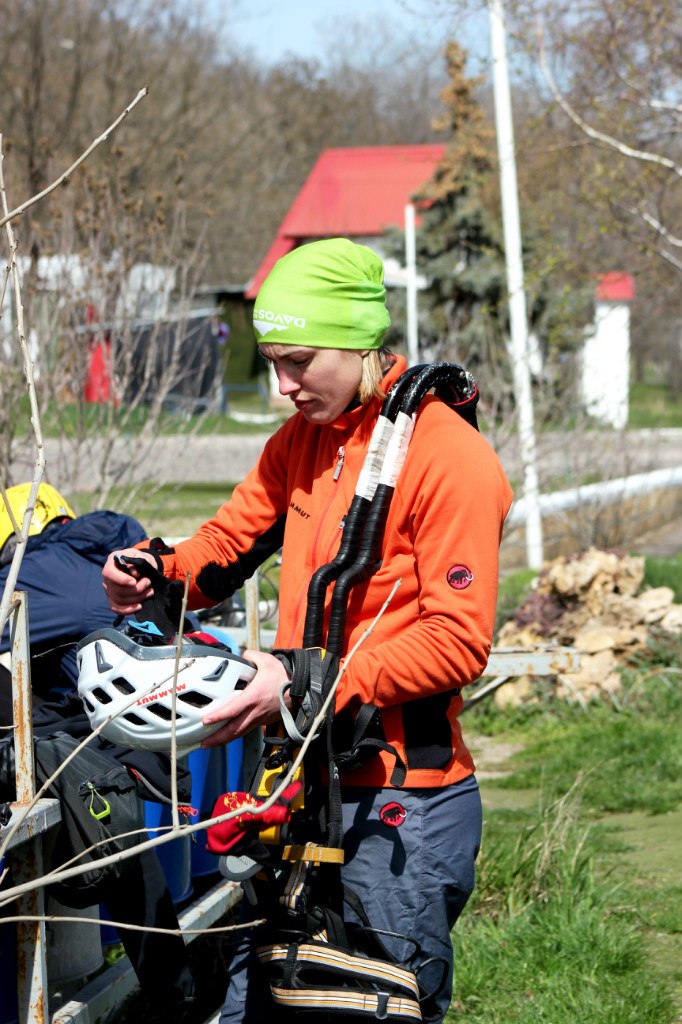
{"points": [[326, 294]]}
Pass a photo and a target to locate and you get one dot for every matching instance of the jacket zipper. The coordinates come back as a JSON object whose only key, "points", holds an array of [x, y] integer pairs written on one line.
{"points": [[340, 459]]}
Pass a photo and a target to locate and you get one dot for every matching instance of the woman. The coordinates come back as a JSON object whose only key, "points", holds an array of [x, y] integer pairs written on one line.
{"points": [[319, 319]]}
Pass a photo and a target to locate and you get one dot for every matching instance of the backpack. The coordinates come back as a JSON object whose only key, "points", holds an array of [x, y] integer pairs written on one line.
{"points": [[99, 803]]}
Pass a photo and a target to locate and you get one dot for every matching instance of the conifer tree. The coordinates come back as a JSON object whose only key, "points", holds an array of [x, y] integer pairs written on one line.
{"points": [[458, 250], [463, 312]]}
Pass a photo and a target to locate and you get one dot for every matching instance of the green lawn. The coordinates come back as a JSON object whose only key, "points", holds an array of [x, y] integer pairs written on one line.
{"points": [[653, 405], [577, 917]]}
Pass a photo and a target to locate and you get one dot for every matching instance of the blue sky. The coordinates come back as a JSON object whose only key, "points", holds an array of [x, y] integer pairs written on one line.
{"points": [[306, 28]]}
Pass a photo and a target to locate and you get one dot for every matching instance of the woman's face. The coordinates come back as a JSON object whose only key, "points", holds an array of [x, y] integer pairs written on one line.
{"points": [[321, 382]]}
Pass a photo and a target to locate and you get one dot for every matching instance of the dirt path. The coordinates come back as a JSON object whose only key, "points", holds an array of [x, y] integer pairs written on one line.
{"points": [[491, 755]]}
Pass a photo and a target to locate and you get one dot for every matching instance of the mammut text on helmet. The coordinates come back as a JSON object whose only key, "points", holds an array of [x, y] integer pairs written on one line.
{"points": [[157, 696]]}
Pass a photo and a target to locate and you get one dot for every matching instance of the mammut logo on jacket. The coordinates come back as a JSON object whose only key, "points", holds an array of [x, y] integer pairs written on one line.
{"points": [[459, 577], [301, 512], [157, 696], [264, 320]]}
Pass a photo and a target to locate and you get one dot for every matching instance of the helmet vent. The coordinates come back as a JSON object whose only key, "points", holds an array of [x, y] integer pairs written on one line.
{"points": [[195, 700], [160, 711], [133, 719], [101, 695], [217, 672], [123, 686]]}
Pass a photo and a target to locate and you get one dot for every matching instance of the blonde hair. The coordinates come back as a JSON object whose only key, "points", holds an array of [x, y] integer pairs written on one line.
{"points": [[373, 369]]}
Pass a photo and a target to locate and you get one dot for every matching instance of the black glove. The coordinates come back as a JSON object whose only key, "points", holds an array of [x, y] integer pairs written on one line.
{"points": [[164, 608]]}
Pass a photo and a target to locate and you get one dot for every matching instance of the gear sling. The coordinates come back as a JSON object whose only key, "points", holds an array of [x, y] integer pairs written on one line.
{"points": [[316, 961]]}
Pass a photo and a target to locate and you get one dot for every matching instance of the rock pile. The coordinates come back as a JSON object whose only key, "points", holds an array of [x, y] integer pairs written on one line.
{"points": [[593, 602]]}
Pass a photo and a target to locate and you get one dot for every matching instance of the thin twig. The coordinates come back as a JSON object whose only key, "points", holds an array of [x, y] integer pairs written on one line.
{"points": [[58, 875], [174, 707], [39, 466], [26, 808], [593, 133], [65, 176], [53, 919]]}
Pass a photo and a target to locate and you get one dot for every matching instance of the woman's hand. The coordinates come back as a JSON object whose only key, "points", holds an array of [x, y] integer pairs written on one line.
{"points": [[257, 704], [126, 590]]}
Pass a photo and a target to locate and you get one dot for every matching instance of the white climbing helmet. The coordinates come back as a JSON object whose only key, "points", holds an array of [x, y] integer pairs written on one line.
{"points": [[133, 681]]}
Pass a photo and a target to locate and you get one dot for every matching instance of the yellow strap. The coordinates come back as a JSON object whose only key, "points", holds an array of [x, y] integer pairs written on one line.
{"points": [[314, 854]]}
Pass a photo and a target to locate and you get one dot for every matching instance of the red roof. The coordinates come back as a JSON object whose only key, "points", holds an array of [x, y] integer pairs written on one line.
{"points": [[615, 287], [356, 192]]}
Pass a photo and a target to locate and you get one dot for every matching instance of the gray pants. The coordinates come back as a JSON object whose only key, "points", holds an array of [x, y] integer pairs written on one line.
{"points": [[410, 858]]}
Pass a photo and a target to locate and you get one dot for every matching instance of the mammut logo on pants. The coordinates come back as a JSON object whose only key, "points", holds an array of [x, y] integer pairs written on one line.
{"points": [[393, 814]]}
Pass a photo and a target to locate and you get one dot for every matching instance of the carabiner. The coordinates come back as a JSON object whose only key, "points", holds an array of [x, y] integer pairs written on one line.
{"points": [[98, 815]]}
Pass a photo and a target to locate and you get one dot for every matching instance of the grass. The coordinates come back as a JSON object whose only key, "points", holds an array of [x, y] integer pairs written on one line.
{"points": [[577, 916], [559, 963], [633, 753], [653, 405], [513, 590], [626, 778], [665, 572], [168, 510], [174, 511], [548, 936], [70, 419]]}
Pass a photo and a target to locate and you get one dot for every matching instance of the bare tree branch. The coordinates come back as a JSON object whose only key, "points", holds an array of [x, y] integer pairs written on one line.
{"points": [[65, 176], [658, 227], [39, 464], [608, 140], [174, 708], [146, 928]]}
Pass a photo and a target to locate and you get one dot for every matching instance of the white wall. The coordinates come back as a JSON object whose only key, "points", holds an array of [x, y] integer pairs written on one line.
{"points": [[605, 376]]}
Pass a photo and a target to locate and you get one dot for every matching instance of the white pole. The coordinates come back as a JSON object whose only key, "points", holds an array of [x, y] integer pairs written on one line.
{"points": [[411, 286], [517, 301]]}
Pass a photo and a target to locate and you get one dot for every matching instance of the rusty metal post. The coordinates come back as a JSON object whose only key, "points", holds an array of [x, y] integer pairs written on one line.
{"points": [[27, 862]]}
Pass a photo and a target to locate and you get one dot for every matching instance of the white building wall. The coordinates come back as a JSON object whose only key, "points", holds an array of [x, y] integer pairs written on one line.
{"points": [[605, 377]]}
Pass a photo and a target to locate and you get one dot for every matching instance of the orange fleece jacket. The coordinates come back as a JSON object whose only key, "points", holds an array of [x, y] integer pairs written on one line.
{"points": [[441, 541]]}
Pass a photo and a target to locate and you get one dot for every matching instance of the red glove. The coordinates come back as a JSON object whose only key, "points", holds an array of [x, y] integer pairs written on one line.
{"points": [[223, 836]]}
